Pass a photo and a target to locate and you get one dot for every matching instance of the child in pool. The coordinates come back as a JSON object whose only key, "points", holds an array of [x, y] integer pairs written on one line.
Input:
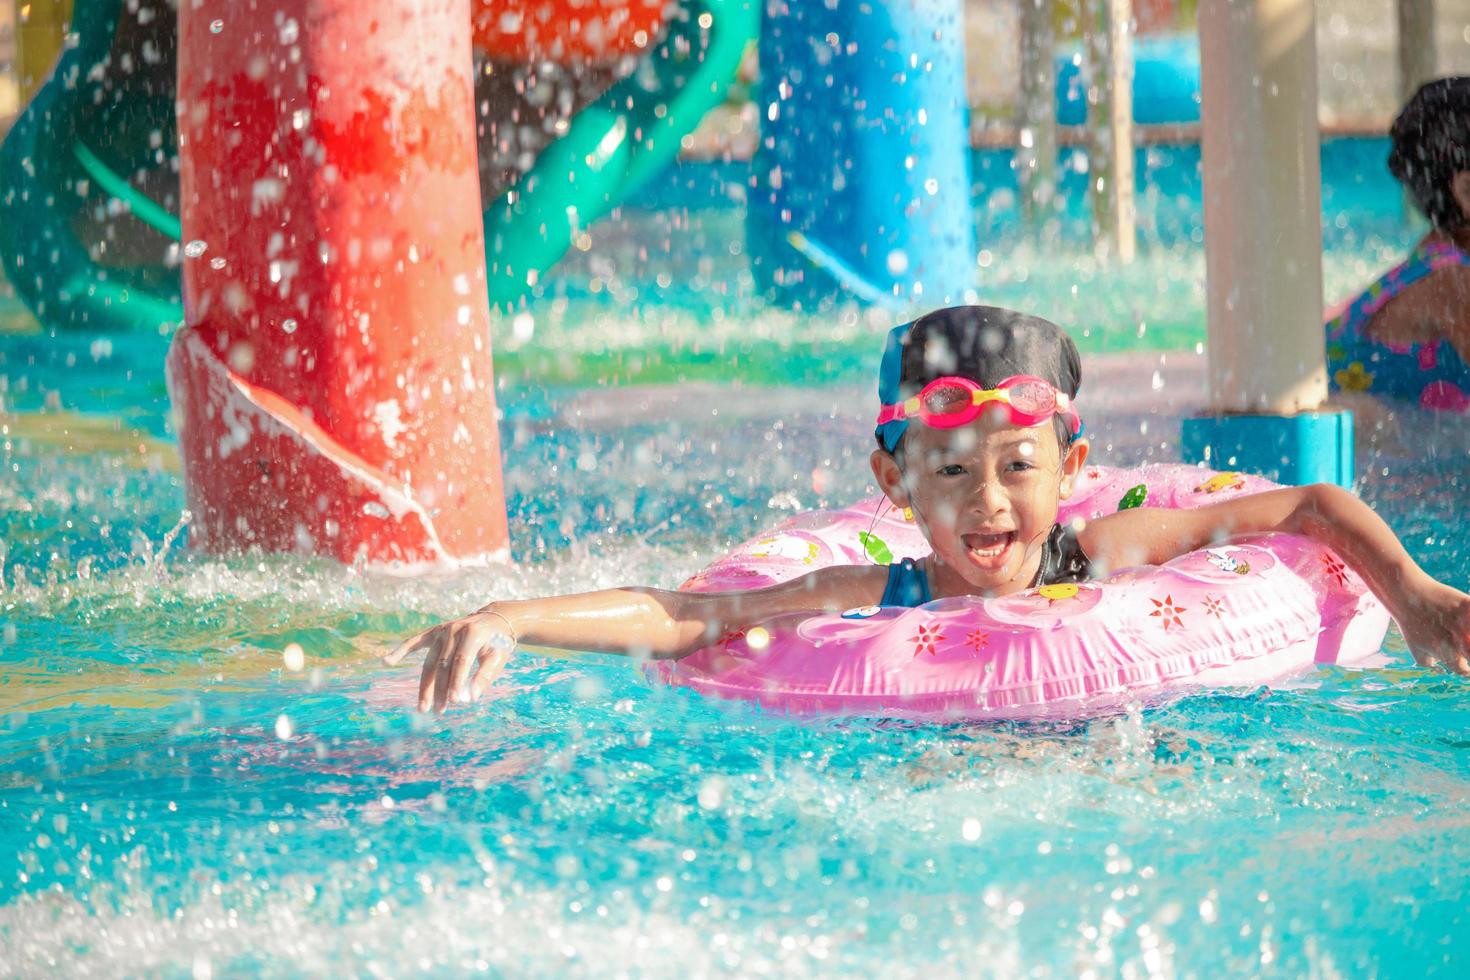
{"points": [[978, 441], [1408, 334]]}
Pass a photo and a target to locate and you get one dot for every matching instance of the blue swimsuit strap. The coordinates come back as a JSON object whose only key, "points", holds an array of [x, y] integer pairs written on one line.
{"points": [[1421, 262], [1062, 560], [907, 585]]}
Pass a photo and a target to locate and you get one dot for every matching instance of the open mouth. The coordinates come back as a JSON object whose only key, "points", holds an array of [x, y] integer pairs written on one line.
{"points": [[989, 550]]}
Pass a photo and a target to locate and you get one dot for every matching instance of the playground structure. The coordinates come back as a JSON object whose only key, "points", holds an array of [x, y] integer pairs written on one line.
{"points": [[111, 147], [311, 419], [332, 377]]}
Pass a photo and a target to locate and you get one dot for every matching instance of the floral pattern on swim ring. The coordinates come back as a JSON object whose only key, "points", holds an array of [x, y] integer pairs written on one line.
{"points": [[1142, 633]]}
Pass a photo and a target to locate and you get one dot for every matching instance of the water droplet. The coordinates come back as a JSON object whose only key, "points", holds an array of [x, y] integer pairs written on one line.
{"points": [[218, 262], [242, 358], [195, 248], [283, 727], [216, 26], [712, 793], [288, 325], [898, 262], [375, 509], [294, 658], [970, 829], [523, 327]]}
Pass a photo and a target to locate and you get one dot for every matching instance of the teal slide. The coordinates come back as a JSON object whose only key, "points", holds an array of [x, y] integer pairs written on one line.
{"points": [[616, 143], [63, 179], [54, 182]]}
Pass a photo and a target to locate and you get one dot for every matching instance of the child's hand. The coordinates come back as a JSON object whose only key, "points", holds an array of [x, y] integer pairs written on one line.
{"points": [[464, 658], [1437, 627]]}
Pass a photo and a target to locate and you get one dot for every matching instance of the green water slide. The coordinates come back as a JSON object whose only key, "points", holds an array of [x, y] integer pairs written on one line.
{"points": [[61, 185], [65, 188], [616, 143]]}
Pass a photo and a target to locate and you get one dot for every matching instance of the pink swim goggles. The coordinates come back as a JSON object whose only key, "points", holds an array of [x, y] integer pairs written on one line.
{"points": [[948, 403]]}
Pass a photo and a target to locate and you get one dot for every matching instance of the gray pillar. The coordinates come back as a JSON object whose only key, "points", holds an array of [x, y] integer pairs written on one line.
{"points": [[1262, 189], [1110, 126], [1036, 113], [1417, 60]]}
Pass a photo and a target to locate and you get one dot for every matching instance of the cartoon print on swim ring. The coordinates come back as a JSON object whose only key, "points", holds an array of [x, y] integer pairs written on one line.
{"points": [[1221, 481], [1059, 592], [1135, 497], [1225, 564], [791, 546], [1049, 605], [1222, 559]]}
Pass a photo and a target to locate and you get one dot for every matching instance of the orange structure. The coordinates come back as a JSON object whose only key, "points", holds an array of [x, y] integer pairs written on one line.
{"points": [[566, 30], [333, 380]]}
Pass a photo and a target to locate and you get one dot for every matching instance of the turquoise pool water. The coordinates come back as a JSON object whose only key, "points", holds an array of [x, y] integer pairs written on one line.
{"points": [[174, 800]]}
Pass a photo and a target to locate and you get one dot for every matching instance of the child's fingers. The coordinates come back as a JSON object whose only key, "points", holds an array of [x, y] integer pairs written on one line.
{"points": [[408, 646], [1457, 664], [429, 673], [454, 651], [491, 664], [466, 657]]}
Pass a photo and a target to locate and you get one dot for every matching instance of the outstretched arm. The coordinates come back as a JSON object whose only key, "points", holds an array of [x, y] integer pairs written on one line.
{"points": [[465, 656], [1434, 618]]}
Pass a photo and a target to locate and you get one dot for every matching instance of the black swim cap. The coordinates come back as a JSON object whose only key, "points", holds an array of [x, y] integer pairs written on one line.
{"points": [[1431, 142], [986, 344]]}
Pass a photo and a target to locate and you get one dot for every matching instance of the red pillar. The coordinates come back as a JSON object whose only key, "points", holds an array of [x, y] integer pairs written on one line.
{"points": [[333, 381]]}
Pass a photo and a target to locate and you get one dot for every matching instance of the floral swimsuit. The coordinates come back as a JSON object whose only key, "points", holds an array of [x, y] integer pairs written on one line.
{"points": [[1432, 374]]}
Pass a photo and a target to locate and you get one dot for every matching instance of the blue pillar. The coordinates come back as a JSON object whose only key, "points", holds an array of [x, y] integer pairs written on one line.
{"points": [[861, 182], [1313, 447]]}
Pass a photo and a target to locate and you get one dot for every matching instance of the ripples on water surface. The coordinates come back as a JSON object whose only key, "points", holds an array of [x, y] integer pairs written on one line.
{"points": [[173, 799]]}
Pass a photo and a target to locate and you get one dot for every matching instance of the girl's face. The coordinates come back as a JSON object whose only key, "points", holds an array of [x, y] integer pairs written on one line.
{"points": [[985, 495]]}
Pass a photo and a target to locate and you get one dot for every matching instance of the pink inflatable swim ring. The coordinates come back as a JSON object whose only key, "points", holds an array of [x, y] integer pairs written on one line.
{"points": [[1249, 612]]}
